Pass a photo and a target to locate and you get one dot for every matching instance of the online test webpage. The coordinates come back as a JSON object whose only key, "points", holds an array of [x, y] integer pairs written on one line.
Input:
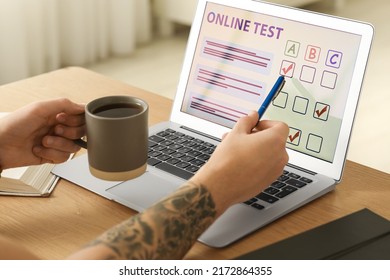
{"points": [[239, 56]]}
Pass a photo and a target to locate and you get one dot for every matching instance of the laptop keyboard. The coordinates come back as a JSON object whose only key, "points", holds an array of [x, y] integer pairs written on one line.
{"points": [[178, 153], [286, 184], [182, 155]]}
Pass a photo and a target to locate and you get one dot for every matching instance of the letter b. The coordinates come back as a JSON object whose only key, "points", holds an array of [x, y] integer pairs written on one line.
{"points": [[313, 54]]}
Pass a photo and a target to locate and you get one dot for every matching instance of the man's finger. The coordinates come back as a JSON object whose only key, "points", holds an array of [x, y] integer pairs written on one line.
{"points": [[247, 123]]}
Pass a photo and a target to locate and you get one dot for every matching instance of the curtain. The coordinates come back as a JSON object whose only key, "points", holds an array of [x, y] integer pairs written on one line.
{"points": [[37, 36]]}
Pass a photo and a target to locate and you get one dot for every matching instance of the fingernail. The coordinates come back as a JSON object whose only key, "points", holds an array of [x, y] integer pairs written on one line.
{"points": [[59, 130], [61, 118], [252, 113], [37, 149], [49, 141]]}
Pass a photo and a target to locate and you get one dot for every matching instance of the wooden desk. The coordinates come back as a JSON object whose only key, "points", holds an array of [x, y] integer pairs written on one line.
{"points": [[54, 227]]}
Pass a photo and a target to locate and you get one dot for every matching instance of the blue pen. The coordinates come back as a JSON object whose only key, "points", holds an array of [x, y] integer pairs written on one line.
{"points": [[272, 95]]}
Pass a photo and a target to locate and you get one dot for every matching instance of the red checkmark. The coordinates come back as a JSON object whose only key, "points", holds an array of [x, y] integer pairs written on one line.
{"points": [[319, 113], [292, 138], [288, 69]]}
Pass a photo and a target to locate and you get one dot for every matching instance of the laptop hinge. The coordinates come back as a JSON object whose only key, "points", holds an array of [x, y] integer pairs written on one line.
{"points": [[200, 133], [301, 169]]}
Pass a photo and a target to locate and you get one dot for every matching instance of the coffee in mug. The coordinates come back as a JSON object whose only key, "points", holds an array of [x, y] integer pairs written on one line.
{"points": [[117, 137], [118, 110]]}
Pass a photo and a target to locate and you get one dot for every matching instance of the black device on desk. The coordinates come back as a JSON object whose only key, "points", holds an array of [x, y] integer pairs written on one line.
{"points": [[362, 235]]}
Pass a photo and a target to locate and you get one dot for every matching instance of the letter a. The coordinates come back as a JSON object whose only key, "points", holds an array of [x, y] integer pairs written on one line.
{"points": [[292, 49]]}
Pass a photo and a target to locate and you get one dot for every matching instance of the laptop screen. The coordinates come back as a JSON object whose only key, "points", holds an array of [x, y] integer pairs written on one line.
{"points": [[240, 54]]}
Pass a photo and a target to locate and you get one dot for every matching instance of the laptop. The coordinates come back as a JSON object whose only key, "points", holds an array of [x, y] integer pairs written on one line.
{"points": [[236, 51]]}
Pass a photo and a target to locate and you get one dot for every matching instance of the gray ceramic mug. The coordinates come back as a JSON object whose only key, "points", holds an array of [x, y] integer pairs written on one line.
{"points": [[117, 137]]}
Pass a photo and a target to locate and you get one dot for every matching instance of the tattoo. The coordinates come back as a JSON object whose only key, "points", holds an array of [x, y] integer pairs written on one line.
{"points": [[165, 231]]}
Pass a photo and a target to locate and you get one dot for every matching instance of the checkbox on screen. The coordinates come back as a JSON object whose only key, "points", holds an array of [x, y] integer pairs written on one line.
{"points": [[300, 105], [314, 143], [307, 74], [281, 100], [329, 79]]}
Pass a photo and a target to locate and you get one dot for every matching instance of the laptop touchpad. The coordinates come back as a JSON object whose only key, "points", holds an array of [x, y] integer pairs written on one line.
{"points": [[144, 191]]}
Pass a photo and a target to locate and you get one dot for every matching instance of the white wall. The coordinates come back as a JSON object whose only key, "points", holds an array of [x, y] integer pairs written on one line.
{"points": [[42, 35]]}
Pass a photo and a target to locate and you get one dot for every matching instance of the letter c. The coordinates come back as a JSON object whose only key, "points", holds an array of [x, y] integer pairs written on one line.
{"points": [[332, 61]]}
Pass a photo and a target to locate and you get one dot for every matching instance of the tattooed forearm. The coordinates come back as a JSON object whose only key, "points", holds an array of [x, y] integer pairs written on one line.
{"points": [[165, 231], [183, 217]]}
